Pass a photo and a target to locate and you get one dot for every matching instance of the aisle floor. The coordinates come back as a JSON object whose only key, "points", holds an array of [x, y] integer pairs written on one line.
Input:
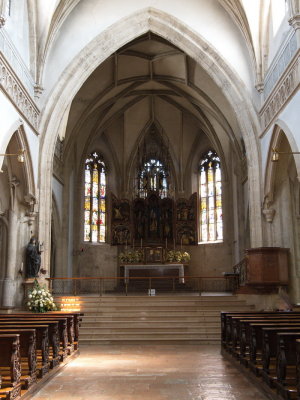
{"points": [[149, 372]]}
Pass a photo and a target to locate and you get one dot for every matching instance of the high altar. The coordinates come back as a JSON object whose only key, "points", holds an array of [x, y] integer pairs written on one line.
{"points": [[145, 228]]}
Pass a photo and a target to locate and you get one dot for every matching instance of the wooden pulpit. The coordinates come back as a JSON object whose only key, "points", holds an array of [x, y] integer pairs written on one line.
{"points": [[267, 267]]}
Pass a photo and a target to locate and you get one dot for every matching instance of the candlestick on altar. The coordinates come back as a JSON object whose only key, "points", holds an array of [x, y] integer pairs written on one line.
{"points": [[166, 242], [174, 245], [141, 242], [133, 243], [181, 243], [126, 245]]}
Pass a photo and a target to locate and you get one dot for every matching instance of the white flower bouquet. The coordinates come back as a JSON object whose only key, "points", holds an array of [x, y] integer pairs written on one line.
{"points": [[40, 299]]}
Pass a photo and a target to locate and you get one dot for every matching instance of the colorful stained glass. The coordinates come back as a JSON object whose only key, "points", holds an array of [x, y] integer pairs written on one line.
{"points": [[211, 233], [95, 199], [87, 203], [153, 177], [210, 187]]}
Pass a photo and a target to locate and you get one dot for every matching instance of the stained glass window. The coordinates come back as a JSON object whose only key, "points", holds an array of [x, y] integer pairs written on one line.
{"points": [[210, 191], [94, 199], [153, 177]]}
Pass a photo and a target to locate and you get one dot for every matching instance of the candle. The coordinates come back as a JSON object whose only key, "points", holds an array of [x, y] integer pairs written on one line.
{"points": [[181, 243], [174, 244], [166, 242]]}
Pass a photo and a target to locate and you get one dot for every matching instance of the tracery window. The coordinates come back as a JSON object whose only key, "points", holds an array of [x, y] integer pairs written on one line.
{"points": [[210, 188], [95, 199], [153, 177]]}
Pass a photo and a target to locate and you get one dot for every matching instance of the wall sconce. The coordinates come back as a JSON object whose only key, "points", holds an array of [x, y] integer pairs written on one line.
{"points": [[275, 155], [19, 155]]}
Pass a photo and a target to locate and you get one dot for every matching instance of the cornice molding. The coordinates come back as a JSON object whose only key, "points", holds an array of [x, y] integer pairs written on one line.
{"points": [[16, 92], [281, 94]]}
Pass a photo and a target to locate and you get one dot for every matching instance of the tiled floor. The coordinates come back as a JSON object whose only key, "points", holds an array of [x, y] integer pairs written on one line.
{"points": [[149, 372]]}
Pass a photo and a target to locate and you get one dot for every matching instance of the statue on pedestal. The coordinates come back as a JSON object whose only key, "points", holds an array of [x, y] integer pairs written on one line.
{"points": [[33, 259]]}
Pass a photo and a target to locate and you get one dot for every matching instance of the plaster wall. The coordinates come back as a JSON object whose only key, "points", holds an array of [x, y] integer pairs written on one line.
{"points": [[17, 27]]}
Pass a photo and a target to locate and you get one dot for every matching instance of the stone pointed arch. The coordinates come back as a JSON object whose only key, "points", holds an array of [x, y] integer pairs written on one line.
{"points": [[30, 187], [17, 131], [105, 44], [280, 130]]}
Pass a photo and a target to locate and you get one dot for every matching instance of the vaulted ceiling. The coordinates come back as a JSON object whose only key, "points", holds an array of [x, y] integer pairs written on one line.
{"points": [[150, 76]]}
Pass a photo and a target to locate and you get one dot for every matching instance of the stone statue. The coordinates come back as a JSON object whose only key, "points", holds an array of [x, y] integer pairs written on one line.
{"points": [[33, 259]]}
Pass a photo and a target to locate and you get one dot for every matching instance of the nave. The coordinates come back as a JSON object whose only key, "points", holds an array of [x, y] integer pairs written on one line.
{"points": [[149, 372]]}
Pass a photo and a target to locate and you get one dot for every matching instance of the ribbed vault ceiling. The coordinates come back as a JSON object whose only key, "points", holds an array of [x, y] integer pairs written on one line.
{"points": [[153, 71]]}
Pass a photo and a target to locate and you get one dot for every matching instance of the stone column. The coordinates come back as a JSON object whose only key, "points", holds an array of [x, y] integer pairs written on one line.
{"points": [[9, 283], [294, 20], [2, 12]]}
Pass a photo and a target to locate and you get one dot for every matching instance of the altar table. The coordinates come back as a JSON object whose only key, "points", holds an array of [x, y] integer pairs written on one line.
{"points": [[160, 267]]}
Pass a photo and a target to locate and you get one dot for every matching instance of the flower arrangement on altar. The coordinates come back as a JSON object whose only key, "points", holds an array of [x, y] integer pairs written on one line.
{"points": [[134, 256], [40, 299], [177, 256]]}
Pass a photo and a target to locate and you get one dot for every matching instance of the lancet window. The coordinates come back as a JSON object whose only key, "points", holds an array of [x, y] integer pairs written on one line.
{"points": [[95, 199], [153, 177], [210, 191]]}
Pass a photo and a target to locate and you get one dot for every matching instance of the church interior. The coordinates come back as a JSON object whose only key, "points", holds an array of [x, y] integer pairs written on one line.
{"points": [[150, 199]]}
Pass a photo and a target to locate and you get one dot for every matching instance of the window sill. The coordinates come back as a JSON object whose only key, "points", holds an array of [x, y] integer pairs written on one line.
{"points": [[212, 242]]}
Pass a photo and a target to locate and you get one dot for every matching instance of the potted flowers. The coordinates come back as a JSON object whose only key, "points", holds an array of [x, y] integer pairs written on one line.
{"points": [[178, 256], [40, 299]]}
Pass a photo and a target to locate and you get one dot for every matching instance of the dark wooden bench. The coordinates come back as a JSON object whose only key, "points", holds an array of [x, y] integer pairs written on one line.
{"points": [[66, 329], [232, 325], [266, 344], [27, 354], [58, 336], [42, 342], [10, 367], [286, 362]]}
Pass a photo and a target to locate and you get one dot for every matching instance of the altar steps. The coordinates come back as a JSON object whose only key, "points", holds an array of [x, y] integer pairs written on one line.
{"points": [[160, 319]]}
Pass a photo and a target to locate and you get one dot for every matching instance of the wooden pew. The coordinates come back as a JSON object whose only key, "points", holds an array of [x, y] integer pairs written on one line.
{"points": [[42, 343], [10, 367], [286, 381], [53, 341], [257, 335], [233, 327], [58, 336], [269, 352], [27, 354], [250, 331], [226, 317], [66, 328]]}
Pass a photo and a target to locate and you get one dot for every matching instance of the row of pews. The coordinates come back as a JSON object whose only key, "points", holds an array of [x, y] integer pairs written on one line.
{"points": [[32, 346], [267, 344]]}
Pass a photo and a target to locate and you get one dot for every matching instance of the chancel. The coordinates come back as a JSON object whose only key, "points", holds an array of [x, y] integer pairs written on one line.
{"points": [[150, 193]]}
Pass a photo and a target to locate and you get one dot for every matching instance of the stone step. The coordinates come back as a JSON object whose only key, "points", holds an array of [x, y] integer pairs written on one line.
{"points": [[136, 318], [153, 314], [152, 336], [150, 299], [159, 319], [151, 342], [155, 323], [159, 307], [148, 330]]}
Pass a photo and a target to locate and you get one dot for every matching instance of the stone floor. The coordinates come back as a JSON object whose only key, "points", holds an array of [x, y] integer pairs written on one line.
{"points": [[149, 372]]}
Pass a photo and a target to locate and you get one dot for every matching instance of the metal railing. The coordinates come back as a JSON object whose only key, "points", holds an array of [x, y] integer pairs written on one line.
{"points": [[105, 285], [240, 270]]}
